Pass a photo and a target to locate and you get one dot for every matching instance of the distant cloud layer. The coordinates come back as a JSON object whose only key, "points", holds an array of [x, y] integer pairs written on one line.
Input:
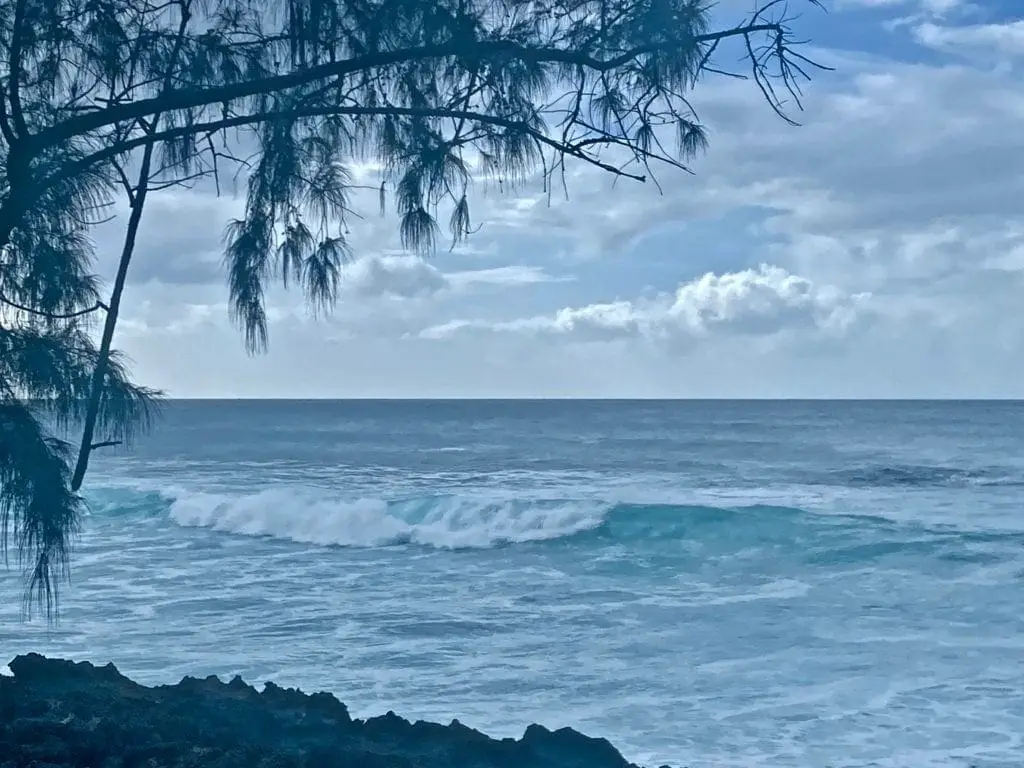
{"points": [[756, 302]]}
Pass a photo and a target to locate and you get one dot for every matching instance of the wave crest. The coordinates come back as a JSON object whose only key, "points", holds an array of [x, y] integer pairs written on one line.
{"points": [[322, 518], [446, 522]]}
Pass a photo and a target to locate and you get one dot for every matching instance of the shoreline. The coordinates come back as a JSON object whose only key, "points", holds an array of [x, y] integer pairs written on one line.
{"points": [[63, 714]]}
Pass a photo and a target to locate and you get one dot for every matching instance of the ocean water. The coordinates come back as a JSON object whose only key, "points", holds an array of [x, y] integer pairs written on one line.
{"points": [[704, 583]]}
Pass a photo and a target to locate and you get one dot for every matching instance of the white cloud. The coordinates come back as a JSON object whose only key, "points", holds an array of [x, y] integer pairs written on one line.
{"points": [[761, 301], [507, 276], [407, 277], [397, 276], [756, 302], [1005, 39]]}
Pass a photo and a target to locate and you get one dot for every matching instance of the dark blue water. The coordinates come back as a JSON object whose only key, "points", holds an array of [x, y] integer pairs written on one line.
{"points": [[705, 583]]}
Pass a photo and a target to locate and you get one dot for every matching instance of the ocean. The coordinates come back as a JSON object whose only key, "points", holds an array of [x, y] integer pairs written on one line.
{"points": [[802, 584]]}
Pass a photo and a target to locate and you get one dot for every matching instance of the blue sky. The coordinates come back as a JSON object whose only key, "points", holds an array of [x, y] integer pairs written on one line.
{"points": [[875, 251]]}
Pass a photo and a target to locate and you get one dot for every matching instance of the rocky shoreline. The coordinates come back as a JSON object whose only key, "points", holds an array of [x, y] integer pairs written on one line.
{"points": [[61, 714]]}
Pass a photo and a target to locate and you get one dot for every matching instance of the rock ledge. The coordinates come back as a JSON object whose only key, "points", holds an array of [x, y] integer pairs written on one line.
{"points": [[61, 714]]}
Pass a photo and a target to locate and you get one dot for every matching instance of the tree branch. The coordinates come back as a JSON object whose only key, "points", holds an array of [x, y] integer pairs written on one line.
{"points": [[105, 444], [186, 98], [14, 70], [53, 315], [5, 123], [244, 120]]}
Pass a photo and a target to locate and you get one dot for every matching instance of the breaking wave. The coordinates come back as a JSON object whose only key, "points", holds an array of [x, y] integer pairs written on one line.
{"points": [[318, 517], [448, 522]]}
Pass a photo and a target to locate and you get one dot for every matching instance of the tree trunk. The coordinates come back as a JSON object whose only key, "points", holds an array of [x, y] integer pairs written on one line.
{"points": [[99, 373]]}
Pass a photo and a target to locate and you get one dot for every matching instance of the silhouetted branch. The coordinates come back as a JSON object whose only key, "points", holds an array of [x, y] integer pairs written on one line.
{"points": [[14, 70], [215, 126], [105, 444], [53, 315], [187, 98]]}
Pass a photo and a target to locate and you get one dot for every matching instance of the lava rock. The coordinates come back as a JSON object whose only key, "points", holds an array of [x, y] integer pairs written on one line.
{"points": [[61, 714]]}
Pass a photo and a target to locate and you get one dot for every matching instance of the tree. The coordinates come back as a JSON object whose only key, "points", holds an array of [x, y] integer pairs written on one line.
{"points": [[439, 93]]}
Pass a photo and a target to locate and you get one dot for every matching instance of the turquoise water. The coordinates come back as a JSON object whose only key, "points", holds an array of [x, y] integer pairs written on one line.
{"points": [[706, 584]]}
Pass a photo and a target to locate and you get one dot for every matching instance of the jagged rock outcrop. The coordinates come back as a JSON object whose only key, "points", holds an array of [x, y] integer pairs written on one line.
{"points": [[58, 714]]}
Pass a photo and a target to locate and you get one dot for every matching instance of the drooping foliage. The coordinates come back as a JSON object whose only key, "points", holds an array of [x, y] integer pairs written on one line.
{"points": [[48, 357], [45, 374], [437, 95]]}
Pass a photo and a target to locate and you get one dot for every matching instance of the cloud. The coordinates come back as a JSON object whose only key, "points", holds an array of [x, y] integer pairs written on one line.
{"points": [[891, 160], [179, 239], [405, 276], [761, 301], [755, 302], [396, 276], [1005, 39], [887, 153], [507, 276]]}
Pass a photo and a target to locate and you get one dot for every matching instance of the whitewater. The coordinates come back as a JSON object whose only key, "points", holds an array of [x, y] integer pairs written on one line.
{"points": [[703, 583]]}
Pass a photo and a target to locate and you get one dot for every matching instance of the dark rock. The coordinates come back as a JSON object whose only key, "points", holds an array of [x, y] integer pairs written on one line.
{"points": [[63, 714], [569, 748]]}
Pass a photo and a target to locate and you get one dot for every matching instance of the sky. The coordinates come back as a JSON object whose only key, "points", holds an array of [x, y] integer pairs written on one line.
{"points": [[876, 250]]}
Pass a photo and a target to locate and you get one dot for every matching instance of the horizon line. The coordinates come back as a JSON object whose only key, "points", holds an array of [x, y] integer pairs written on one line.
{"points": [[591, 399]]}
